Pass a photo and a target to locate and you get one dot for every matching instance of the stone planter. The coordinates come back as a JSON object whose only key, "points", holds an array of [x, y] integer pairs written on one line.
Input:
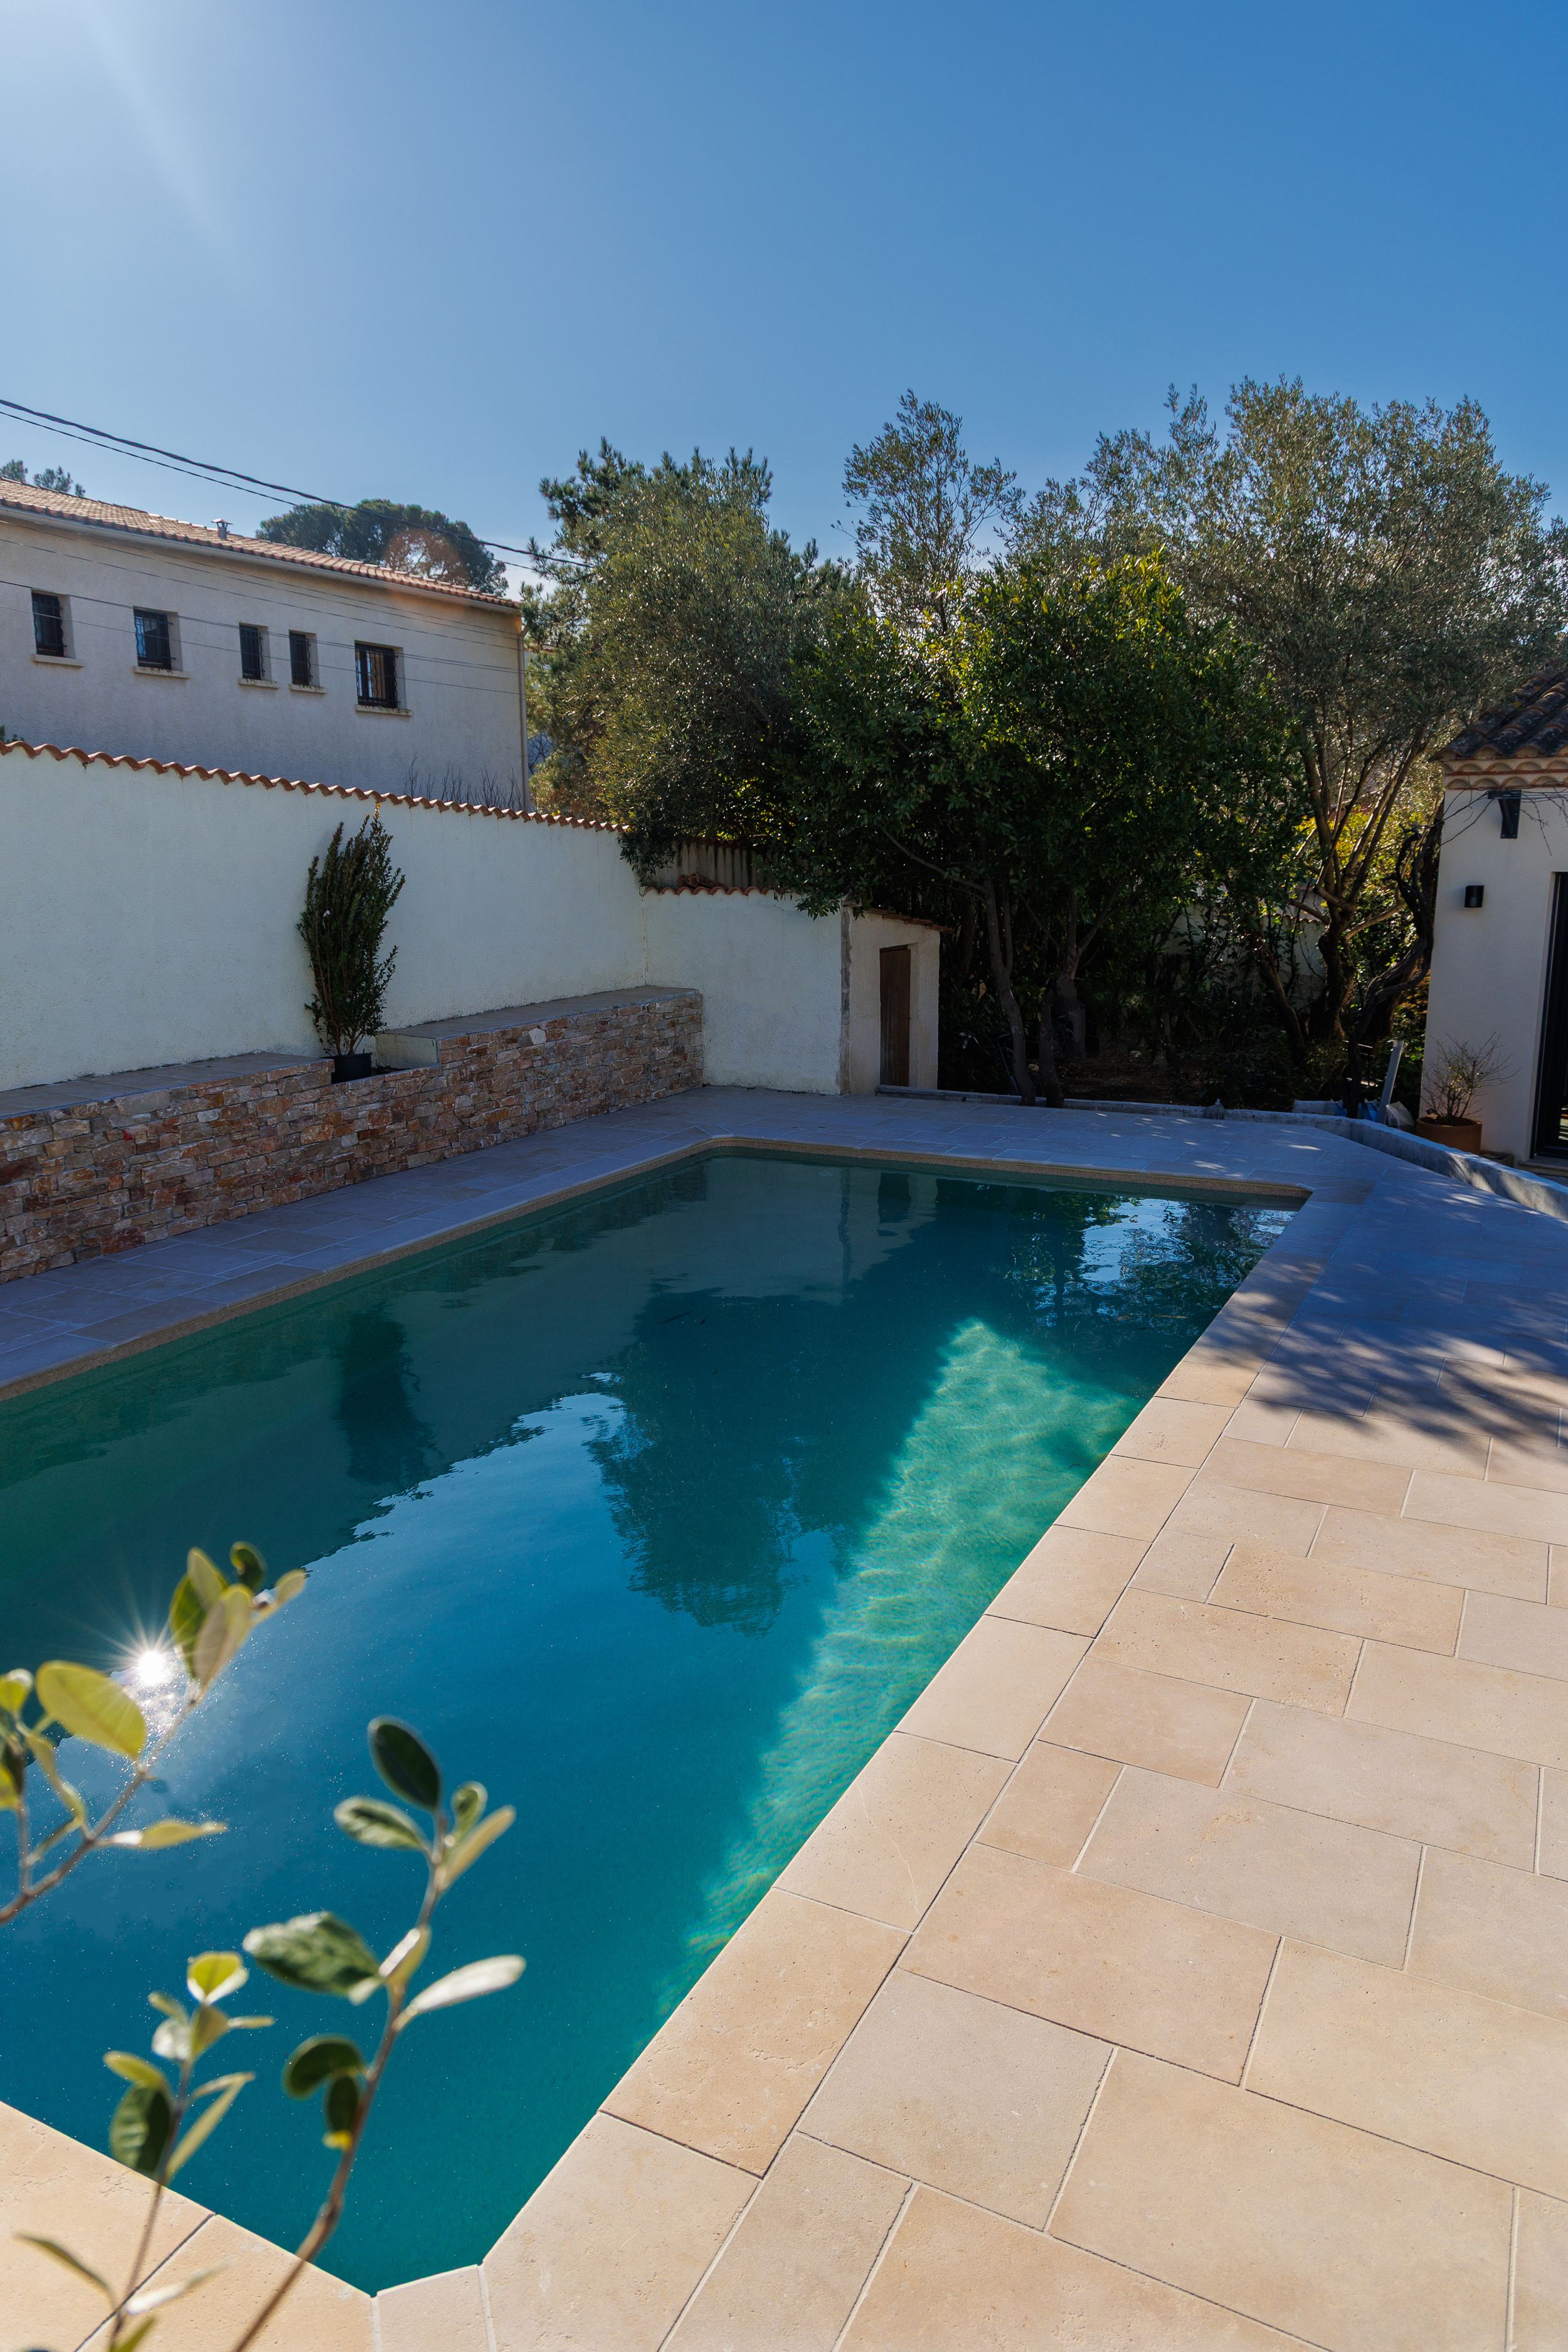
{"points": [[351, 1066], [1459, 1134]]}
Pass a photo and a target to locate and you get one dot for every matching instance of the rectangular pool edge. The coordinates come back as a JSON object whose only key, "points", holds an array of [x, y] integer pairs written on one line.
{"points": [[180, 1326]]}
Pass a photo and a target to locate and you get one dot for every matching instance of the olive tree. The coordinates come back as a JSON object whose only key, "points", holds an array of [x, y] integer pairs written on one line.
{"points": [[1395, 579]]}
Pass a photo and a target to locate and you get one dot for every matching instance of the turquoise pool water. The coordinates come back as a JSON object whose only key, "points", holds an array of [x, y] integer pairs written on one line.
{"points": [[653, 1514]]}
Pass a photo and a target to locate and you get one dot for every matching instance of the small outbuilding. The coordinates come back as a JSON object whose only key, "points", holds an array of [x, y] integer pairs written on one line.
{"points": [[1500, 964]]}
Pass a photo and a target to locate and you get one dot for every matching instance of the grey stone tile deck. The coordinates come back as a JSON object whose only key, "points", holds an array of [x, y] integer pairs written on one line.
{"points": [[1189, 1972]]}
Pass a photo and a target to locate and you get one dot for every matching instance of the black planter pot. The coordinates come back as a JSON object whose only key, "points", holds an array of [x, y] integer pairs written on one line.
{"points": [[351, 1066]]}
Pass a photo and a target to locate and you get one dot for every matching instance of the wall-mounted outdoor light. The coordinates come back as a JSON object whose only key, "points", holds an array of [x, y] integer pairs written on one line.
{"points": [[1475, 894]]}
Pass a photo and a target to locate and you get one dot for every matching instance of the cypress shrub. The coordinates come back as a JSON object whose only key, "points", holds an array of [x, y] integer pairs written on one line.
{"points": [[349, 894]]}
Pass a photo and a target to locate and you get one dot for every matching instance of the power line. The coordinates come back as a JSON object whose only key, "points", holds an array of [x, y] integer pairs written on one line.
{"points": [[201, 470]]}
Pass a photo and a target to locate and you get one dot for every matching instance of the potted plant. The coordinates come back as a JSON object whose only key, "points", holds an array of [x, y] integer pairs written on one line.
{"points": [[1454, 1076], [349, 894]]}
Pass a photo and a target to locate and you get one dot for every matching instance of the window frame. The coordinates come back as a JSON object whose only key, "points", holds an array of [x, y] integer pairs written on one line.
{"points": [[256, 632], [311, 681], [170, 625], [368, 657], [61, 617]]}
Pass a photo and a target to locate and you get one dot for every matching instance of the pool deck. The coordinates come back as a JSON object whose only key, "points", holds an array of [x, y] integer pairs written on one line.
{"points": [[1189, 1970]]}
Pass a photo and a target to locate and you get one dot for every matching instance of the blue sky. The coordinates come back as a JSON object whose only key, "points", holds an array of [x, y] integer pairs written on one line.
{"points": [[379, 248]]}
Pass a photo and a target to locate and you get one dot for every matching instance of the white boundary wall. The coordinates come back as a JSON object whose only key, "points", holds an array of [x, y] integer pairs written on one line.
{"points": [[149, 916]]}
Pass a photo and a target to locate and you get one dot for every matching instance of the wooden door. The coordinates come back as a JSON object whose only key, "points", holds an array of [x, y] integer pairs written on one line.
{"points": [[895, 1017]]}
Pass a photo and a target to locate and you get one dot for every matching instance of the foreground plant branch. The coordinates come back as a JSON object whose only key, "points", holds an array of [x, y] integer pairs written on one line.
{"points": [[210, 1619]]}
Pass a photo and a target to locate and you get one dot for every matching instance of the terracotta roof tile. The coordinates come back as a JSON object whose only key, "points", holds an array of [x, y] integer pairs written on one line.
{"points": [[26, 497], [297, 784], [1536, 721]]}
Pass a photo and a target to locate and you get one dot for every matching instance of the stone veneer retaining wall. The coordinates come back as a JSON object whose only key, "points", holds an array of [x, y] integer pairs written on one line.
{"points": [[87, 1177]]}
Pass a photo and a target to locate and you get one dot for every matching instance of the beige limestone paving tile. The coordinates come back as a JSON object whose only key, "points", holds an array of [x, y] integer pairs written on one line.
{"points": [[1340, 2238], [1500, 1932], [1484, 1563], [790, 2272], [322, 2314], [1540, 2276], [443, 2314], [1557, 1578], [1540, 1465], [1236, 1515], [1260, 1422], [1452, 1698], [1268, 1865], [1120, 1966], [1478, 2082], [1070, 1579], [898, 1828], [731, 2070], [1551, 1857], [1205, 1376], [963, 2094], [1309, 1477], [1430, 1790], [1156, 1720], [1361, 1600], [997, 1687], [1050, 1804], [956, 2280], [1185, 1566], [1492, 1509], [1123, 1497], [1523, 1635], [53, 2186], [1394, 1438], [606, 2251], [1172, 1428], [1263, 1656]]}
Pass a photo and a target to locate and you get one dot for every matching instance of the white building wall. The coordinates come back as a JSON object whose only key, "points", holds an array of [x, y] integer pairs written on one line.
{"points": [[148, 919], [871, 935], [460, 663], [1490, 963]]}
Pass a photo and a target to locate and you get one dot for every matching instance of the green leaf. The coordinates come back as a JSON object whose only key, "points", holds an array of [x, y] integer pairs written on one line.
{"points": [[187, 1614], [405, 1957], [207, 2122], [224, 1629], [467, 1804], [467, 1984], [341, 2109], [43, 1754], [249, 2024], [288, 1588], [169, 2005], [64, 2256], [207, 2026], [173, 2040], [248, 1565], [208, 1581], [375, 1823], [465, 1851], [137, 2335], [317, 2061], [91, 1707], [13, 1769], [136, 2070], [14, 1689], [213, 1976], [316, 1952], [404, 1763], [166, 1832], [139, 2132], [154, 2298]]}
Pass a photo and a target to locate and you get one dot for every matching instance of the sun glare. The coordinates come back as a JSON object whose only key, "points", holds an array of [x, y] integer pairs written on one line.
{"points": [[153, 1668]]}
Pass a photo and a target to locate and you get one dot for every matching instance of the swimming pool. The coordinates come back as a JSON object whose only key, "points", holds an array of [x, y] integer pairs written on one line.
{"points": [[653, 1513]]}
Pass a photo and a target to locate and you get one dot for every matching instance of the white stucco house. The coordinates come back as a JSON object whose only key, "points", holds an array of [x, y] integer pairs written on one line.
{"points": [[1500, 963], [128, 632]]}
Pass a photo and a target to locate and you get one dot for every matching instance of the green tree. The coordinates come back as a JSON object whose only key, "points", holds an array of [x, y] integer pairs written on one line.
{"points": [[922, 506], [1395, 580], [674, 612], [349, 892], [1069, 759], [406, 537], [52, 478]]}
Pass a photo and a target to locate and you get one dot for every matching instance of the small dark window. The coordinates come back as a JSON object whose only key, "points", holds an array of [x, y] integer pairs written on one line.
{"points": [[252, 650], [377, 668], [154, 641], [48, 624], [301, 658]]}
